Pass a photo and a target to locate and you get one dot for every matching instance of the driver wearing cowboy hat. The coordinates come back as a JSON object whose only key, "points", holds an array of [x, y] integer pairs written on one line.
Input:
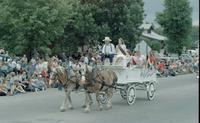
{"points": [[108, 50]]}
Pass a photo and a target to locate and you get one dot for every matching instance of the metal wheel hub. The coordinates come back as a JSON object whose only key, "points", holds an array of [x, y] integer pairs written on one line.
{"points": [[103, 98]]}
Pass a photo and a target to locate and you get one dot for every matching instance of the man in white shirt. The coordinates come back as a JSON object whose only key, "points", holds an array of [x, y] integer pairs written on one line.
{"points": [[108, 50]]}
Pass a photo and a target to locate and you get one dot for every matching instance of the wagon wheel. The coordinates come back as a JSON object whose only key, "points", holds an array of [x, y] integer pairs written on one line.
{"points": [[130, 95], [123, 94], [103, 98], [151, 91]]}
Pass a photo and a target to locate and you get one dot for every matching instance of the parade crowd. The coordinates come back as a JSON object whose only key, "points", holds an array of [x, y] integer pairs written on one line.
{"points": [[33, 76]]}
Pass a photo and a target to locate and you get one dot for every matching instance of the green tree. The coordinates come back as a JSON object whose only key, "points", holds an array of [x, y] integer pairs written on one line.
{"points": [[122, 17], [54, 26], [195, 33], [32, 25], [176, 22], [80, 29], [94, 19]]}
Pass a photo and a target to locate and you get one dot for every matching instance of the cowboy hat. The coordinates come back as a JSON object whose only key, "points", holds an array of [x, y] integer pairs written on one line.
{"points": [[107, 39]]}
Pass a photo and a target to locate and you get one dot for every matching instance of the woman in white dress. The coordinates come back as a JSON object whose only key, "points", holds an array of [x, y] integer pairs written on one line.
{"points": [[121, 52]]}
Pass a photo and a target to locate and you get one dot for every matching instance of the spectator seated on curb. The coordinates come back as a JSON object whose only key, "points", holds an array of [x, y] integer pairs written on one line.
{"points": [[171, 70], [161, 68], [3, 89], [38, 83], [23, 79], [17, 87], [173, 67], [196, 64], [14, 84]]}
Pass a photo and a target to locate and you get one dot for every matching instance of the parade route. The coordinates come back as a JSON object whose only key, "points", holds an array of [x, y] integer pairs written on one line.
{"points": [[176, 101]]}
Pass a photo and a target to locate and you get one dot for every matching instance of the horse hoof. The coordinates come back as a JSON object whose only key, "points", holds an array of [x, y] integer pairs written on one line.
{"points": [[87, 111], [91, 103], [71, 108], [99, 109], [83, 106], [108, 107], [62, 110]]}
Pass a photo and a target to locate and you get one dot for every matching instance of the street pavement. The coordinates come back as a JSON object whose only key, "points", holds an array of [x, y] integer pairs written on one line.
{"points": [[176, 101]]}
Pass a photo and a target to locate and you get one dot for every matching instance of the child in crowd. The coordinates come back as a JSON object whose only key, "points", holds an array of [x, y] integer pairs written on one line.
{"points": [[38, 83]]}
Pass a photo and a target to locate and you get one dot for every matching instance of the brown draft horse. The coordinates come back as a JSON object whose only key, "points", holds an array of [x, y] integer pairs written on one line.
{"points": [[69, 80], [97, 81]]}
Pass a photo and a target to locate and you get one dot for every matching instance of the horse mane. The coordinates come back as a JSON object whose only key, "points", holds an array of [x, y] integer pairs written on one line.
{"points": [[88, 68], [62, 74]]}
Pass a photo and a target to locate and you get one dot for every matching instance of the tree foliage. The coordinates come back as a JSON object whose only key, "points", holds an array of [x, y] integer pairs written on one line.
{"points": [[195, 33], [54, 26], [177, 22], [92, 20], [32, 25]]}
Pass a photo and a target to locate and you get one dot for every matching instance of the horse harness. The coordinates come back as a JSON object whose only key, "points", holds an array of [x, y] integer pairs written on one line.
{"points": [[69, 78], [101, 81]]}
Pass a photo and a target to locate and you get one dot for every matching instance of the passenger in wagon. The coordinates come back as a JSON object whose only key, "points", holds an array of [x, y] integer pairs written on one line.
{"points": [[122, 53], [108, 50], [151, 61], [139, 58]]}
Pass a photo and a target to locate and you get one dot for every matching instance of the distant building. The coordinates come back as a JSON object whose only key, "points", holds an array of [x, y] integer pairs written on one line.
{"points": [[195, 45], [143, 47], [148, 32]]}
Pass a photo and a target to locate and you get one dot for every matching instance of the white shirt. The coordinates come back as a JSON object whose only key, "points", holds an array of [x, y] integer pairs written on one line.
{"points": [[18, 66], [108, 49], [86, 60], [13, 64], [39, 68], [33, 61], [44, 66], [140, 59]]}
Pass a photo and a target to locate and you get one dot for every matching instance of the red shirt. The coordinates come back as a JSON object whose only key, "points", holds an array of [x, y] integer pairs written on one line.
{"points": [[161, 66]]}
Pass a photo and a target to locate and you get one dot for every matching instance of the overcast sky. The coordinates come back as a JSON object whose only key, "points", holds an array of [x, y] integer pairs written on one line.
{"points": [[153, 6]]}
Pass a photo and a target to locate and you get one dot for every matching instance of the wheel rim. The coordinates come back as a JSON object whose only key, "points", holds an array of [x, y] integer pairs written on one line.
{"points": [[152, 89], [131, 96], [151, 92], [103, 98]]}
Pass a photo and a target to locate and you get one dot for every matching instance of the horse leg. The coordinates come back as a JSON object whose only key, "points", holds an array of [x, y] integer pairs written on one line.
{"points": [[90, 98], [70, 100], [109, 95], [87, 97], [99, 105], [64, 103], [87, 102]]}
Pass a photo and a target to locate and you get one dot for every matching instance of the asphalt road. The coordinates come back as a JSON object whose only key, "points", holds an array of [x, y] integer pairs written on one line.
{"points": [[176, 101]]}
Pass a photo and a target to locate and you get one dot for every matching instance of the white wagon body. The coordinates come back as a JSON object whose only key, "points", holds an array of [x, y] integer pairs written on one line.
{"points": [[132, 78], [134, 74]]}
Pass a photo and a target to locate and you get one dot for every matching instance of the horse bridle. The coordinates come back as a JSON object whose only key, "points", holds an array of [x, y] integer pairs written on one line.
{"points": [[94, 79], [69, 78]]}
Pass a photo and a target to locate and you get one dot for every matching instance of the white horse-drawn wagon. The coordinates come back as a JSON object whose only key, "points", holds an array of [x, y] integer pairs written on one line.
{"points": [[103, 80], [133, 78]]}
